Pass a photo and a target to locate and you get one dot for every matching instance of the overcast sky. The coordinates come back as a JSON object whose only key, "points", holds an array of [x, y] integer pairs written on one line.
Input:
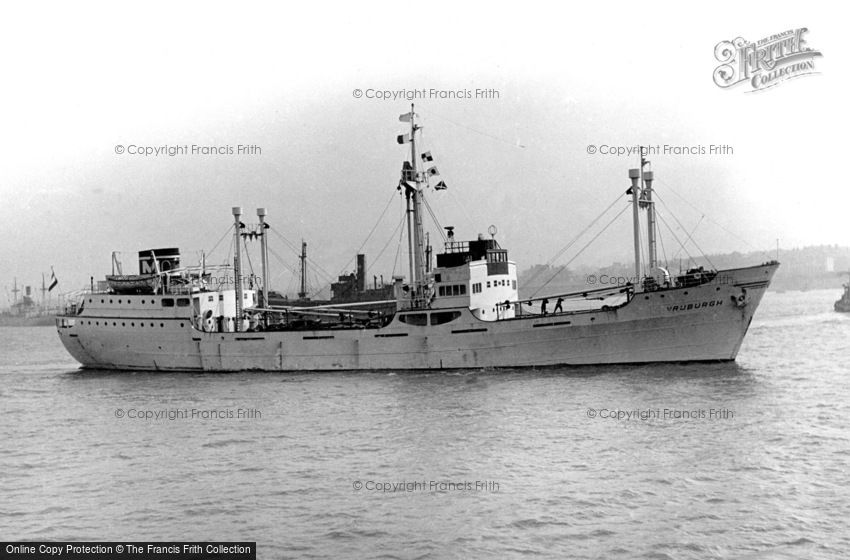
{"points": [[81, 78]]}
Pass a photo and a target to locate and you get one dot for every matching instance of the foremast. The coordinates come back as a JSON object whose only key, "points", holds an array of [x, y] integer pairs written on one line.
{"points": [[641, 193]]}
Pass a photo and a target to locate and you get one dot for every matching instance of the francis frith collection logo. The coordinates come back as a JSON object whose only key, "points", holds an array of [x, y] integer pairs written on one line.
{"points": [[764, 63]]}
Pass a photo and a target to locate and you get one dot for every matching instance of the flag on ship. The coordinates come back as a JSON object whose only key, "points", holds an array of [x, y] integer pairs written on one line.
{"points": [[432, 171], [403, 138], [441, 186], [427, 157], [53, 280], [406, 117]]}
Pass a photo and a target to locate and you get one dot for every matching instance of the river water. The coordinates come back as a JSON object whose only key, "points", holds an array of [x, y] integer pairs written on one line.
{"points": [[737, 460]]}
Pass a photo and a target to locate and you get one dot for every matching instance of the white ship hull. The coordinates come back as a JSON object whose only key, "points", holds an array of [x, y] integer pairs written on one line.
{"points": [[697, 323]]}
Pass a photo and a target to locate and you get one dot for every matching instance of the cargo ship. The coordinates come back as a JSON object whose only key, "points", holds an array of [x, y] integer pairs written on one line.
{"points": [[465, 311], [28, 311]]}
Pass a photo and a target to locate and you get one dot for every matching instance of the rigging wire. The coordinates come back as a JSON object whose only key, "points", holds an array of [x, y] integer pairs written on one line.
{"points": [[327, 277], [398, 247], [283, 262], [718, 224], [374, 227], [595, 237], [475, 130], [573, 241], [683, 229], [297, 252], [390, 239], [288, 243], [436, 221], [676, 237], [228, 261], [226, 233], [663, 251], [690, 235]]}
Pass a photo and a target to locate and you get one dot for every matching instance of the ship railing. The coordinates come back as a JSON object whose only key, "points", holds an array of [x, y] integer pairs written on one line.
{"points": [[525, 307]]}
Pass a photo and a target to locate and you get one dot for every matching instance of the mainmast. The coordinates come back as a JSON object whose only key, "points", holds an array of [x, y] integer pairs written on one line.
{"points": [[418, 235], [412, 182]]}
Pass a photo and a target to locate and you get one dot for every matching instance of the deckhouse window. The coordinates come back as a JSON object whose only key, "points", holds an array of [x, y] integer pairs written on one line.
{"points": [[443, 317], [416, 319], [183, 302], [167, 302]]}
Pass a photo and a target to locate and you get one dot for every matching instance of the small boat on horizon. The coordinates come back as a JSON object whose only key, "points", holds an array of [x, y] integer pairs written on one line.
{"points": [[843, 305]]}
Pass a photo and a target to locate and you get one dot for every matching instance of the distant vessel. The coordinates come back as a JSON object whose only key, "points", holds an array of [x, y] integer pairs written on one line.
{"points": [[27, 311], [465, 312], [843, 304]]}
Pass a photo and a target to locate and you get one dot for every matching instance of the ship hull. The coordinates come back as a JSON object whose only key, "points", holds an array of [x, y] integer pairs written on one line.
{"points": [[697, 323]]}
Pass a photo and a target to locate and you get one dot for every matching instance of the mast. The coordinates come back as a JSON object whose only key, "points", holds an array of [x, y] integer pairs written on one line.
{"points": [[264, 249], [407, 192], [419, 249], [237, 265], [646, 178], [15, 291], [634, 175], [302, 294]]}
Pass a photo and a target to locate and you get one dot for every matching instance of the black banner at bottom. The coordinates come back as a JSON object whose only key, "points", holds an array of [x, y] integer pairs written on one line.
{"points": [[128, 550]]}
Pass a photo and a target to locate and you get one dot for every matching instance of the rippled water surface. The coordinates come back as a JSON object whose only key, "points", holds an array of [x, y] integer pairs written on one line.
{"points": [[742, 460]]}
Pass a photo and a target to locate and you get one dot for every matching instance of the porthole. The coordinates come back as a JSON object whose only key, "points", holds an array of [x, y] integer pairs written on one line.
{"points": [[114, 324], [161, 325], [101, 301], [110, 301], [645, 297], [151, 324], [119, 301], [143, 302], [141, 325], [686, 293], [123, 324], [181, 325], [132, 324]]}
